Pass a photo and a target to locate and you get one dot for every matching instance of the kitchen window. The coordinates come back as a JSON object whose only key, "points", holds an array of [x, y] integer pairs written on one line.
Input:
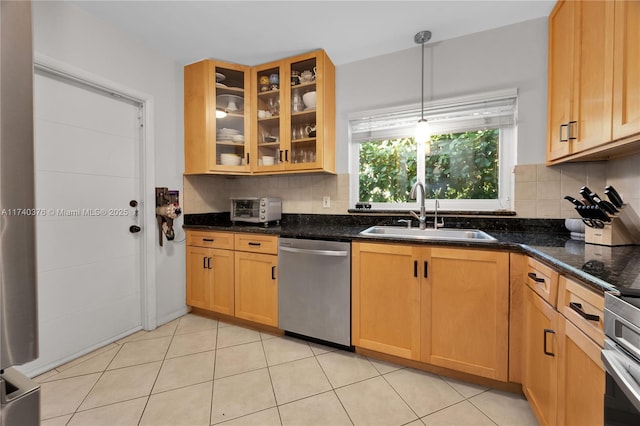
{"points": [[472, 153]]}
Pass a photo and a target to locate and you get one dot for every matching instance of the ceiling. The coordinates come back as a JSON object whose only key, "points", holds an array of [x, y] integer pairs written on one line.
{"points": [[255, 32]]}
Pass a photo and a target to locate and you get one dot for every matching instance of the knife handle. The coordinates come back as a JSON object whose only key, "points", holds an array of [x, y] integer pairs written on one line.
{"points": [[613, 196], [586, 194], [573, 201], [608, 207]]}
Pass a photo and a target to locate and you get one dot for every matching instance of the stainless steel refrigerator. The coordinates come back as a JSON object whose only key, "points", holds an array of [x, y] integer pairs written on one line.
{"points": [[19, 395]]}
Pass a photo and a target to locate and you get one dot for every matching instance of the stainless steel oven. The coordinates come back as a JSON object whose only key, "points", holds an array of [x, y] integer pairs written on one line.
{"points": [[621, 357]]}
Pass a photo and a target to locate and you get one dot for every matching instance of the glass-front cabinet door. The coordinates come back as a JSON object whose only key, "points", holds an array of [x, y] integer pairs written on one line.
{"points": [[217, 117], [295, 114], [268, 117], [311, 125], [271, 118], [304, 121], [232, 117]]}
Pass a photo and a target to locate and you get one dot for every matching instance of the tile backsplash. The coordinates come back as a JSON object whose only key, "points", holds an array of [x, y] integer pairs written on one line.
{"points": [[538, 193], [299, 193], [539, 190]]}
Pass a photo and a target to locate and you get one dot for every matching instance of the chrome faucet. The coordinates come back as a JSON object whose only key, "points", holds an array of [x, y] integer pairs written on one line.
{"points": [[423, 216], [437, 225]]}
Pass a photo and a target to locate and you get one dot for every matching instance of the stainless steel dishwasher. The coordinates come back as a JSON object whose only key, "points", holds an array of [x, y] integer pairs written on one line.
{"points": [[314, 289]]}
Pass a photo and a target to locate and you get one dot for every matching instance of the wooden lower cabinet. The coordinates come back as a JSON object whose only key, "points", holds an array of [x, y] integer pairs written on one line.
{"points": [[210, 279], [446, 307], [240, 282], [256, 287], [563, 376], [581, 378], [540, 366], [465, 311], [386, 299]]}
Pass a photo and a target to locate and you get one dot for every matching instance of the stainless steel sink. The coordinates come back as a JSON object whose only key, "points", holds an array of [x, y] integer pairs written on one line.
{"points": [[443, 234]]}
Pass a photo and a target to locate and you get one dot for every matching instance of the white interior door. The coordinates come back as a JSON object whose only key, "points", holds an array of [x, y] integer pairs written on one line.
{"points": [[88, 151]]}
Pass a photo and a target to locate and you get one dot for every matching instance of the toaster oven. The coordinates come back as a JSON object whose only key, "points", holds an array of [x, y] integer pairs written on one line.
{"points": [[256, 210]]}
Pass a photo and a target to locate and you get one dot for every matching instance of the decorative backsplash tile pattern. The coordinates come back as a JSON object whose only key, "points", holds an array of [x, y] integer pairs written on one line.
{"points": [[538, 193]]}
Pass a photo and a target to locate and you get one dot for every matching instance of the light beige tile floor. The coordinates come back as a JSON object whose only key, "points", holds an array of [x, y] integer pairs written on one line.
{"points": [[197, 371]]}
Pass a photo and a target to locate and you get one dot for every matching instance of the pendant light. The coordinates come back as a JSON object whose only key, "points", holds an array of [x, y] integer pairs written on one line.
{"points": [[423, 134]]}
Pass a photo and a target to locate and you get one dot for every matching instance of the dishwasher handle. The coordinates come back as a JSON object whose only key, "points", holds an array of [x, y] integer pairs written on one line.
{"points": [[336, 253]]}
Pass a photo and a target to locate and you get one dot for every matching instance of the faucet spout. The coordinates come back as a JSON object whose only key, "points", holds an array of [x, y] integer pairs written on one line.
{"points": [[437, 224], [414, 194]]}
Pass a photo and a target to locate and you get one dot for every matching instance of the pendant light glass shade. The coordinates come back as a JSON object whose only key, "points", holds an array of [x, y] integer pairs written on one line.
{"points": [[423, 131]]}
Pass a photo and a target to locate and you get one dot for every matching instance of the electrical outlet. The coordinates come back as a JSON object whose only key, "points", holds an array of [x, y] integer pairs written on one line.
{"points": [[326, 202]]}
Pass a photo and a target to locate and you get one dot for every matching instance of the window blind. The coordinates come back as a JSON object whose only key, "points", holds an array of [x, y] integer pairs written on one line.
{"points": [[486, 111]]}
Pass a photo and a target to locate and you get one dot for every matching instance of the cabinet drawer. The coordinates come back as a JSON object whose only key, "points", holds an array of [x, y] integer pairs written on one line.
{"points": [[583, 307], [220, 240], [543, 280], [257, 243]]}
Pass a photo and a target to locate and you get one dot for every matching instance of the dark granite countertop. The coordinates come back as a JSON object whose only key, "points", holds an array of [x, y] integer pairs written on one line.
{"points": [[602, 268]]}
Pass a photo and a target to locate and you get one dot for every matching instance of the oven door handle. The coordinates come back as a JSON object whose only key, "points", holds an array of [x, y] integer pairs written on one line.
{"points": [[338, 253], [614, 363]]}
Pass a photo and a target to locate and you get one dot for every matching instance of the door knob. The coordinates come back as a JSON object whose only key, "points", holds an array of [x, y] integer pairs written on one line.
{"points": [[134, 228]]}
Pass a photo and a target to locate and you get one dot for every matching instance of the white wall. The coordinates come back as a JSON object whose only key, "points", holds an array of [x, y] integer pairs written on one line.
{"points": [[514, 56], [75, 38]]}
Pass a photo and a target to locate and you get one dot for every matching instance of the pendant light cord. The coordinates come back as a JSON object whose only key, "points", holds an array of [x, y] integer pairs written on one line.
{"points": [[422, 81]]}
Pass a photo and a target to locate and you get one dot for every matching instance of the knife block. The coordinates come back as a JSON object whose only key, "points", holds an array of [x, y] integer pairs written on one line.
{"points": [[623, 230]]}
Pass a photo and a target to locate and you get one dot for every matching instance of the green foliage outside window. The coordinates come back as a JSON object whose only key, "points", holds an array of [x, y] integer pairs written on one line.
{"points": [[460, 166]]}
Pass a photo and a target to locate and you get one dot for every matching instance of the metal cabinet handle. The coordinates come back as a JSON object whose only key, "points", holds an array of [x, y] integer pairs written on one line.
{"points": [[578, 308], [280, 155], [337, 253], [208, 240], [206, 262], [535, 277], [273, 272], [254, 244], [569, 131], [286, 155], [425, 272], [544, 336], [561, 126], [248, 162]]}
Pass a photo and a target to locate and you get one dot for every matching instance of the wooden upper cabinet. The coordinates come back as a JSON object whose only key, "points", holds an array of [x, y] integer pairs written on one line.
{"points": [[271, 125], [561, 45], [269, 100], [594, 80], [626, 69], [213, 143], [593, 75], [296, 127], [580, 77]]}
